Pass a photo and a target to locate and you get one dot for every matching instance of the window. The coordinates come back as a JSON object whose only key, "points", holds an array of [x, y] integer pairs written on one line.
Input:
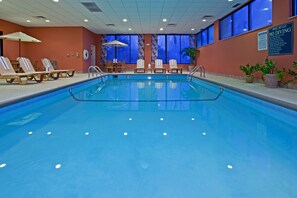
{"points": [[226, 27], [294, 3], [199, 40], [240, 21], [128, 54], [256, 14], [162, 48], [211, 34], [170, 47], [206, 36], [261, 13]]}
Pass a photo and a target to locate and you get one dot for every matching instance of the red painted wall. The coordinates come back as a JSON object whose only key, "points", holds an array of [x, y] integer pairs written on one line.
{"points": [[11, 48], [225, 56]]}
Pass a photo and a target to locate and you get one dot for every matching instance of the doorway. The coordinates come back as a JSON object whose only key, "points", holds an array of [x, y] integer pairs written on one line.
{"points": [[93, 55]]}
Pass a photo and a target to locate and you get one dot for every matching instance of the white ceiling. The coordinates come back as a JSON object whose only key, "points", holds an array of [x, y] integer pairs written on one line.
{"points": [[144, 16]]}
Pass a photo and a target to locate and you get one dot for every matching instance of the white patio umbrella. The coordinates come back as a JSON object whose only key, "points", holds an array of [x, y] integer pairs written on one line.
{"points": [[115, 43], [21, 37]]}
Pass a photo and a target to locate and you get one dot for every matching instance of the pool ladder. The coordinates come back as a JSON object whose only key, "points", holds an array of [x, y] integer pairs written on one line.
{"points": [[196, 69], [94, 69]]}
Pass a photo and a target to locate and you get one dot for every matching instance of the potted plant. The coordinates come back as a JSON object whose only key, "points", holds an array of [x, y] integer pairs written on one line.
{"points": [[287, 76], [249, 70], [270, 79], [191, 52]]}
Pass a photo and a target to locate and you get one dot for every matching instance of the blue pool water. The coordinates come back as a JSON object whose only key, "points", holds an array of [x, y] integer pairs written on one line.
{"points": [[147, 136]]}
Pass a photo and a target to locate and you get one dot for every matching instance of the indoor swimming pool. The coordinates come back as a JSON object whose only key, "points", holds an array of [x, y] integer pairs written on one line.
{"points": [[147, 136]]}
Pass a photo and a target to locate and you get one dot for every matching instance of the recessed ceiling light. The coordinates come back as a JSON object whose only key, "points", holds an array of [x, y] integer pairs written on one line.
{"points": [[55, 0], [193, 29], [125, 20], [130, 29], [47, 21], [161, 29], [86, 20], [230, 0], [203, 20], [164, 20], [28, 21]]}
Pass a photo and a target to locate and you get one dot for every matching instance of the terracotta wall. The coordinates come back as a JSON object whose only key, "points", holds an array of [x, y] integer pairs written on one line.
{"points": [[10, 48], [225, 56]]}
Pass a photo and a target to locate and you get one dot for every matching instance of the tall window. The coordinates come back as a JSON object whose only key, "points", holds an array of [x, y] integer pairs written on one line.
{"points": [[128, 54], [256, 14], [294, 3], [1, 44], [170, 47], [206, 36], [261, 13]]}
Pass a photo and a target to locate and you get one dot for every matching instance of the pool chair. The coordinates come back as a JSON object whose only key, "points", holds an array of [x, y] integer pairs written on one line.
{"points": [[63, 73], [139, 66], [173, 67], [27, 67], [8, 73], [159, 66]]}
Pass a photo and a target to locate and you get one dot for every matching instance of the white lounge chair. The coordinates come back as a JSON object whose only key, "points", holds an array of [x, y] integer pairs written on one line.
{"points": [[8, 73], [159, 66], [63, 73], [173, 67], [27, 67], [139, 66]]}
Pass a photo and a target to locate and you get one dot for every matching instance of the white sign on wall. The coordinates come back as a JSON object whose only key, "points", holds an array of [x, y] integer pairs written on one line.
{"points": [[262, 40]]}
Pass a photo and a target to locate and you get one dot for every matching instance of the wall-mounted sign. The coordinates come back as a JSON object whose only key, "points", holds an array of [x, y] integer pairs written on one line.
{"points": [[262, 40], [281, 39]]}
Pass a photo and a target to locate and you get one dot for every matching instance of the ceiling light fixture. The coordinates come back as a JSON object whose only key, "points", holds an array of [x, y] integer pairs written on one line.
{"points": [[55, 0], [130, 29], [161, 29], [125, 20], [193, 29], [86, 20], [47, 21], [204, 20], [230, 0], [28, 21], [164, 20]]}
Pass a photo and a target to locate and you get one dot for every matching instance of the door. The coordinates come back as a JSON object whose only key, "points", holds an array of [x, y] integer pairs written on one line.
{"points": [[93, 55]]}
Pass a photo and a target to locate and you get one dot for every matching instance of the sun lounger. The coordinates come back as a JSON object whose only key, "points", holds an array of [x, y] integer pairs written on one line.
{"points": [[173, 67], [27, 67], [7, 72], [63, 73], [159, 66], [139, 66]]}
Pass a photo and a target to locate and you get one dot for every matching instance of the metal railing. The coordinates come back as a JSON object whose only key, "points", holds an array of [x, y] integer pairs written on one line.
{"points": [[95, 70], [196, 69]]}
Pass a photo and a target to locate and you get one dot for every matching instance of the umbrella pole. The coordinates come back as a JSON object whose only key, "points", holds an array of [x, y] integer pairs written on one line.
{"points": [[19, 47]]}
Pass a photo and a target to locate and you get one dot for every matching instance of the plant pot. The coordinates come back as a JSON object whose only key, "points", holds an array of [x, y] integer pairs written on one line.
{"points": [[249, 78], [190, 68], [270, 80]]}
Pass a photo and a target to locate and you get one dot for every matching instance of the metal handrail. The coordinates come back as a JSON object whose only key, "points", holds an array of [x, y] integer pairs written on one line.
{"points": [[95, 68], [197, 68]]}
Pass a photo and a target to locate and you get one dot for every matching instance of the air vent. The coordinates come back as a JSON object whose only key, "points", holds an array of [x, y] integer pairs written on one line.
{"points": [[207, 16], [91, 6], [40, 17], [171, 25], [236, 5], [110, 25]]}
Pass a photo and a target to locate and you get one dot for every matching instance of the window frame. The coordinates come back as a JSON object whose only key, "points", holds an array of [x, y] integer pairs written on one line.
{"points": [[199, 34], [166, 50], [129, 45], [294, 8], [249, 19]]}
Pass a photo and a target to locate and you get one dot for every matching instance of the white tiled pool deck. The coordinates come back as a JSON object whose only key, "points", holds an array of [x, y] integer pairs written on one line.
{"points": [[9, 93]]}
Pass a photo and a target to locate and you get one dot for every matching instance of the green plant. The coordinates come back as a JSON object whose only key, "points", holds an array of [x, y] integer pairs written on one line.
{"points": [[268, 67], [249, 69], [287, 76], [190, 52]]}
